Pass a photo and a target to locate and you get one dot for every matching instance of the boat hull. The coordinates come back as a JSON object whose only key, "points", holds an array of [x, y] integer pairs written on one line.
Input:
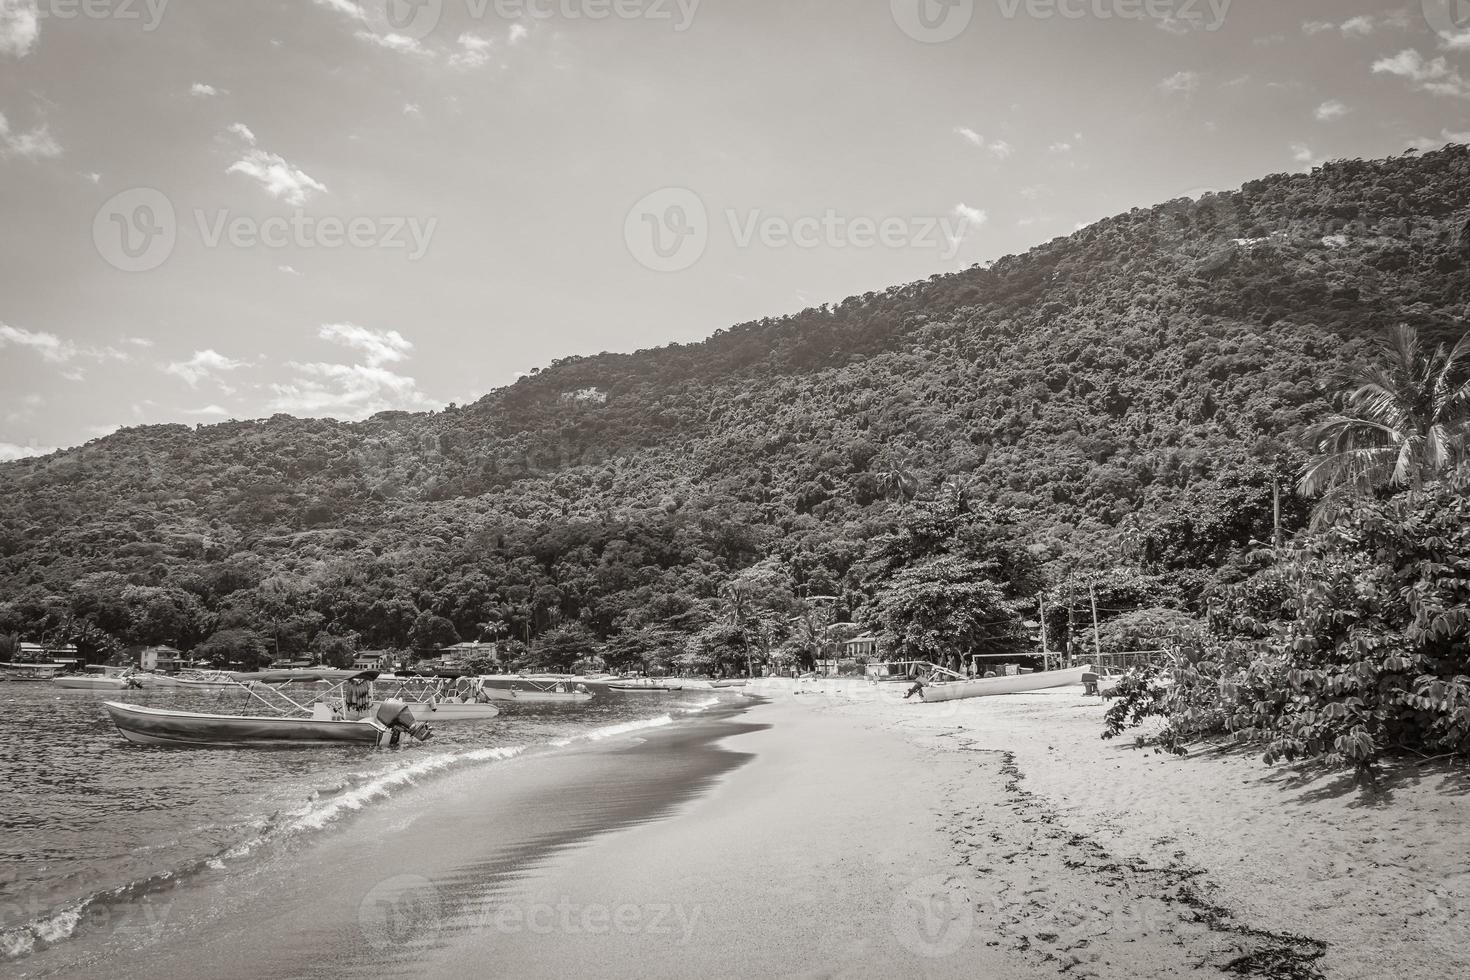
{"points": [[95, 683], [535, 697], [991, 686], [644, 688], [154, 726], [449, 711]]}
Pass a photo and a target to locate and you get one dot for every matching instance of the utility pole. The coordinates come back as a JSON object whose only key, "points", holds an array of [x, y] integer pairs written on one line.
{"points": [[1096, 640], [1276, 507], [1045, 649]]}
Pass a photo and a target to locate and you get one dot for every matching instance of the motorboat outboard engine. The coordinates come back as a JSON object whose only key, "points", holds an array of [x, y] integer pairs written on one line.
{"points": [[396, 718]]}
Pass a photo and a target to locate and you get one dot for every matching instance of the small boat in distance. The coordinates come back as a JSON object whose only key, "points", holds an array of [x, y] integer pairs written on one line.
{"points": [[527, 690], [101, 679], [29, 673], [643, 685]]}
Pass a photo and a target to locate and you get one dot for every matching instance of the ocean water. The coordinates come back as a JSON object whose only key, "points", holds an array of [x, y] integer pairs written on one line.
{"points": [[91, 824]]}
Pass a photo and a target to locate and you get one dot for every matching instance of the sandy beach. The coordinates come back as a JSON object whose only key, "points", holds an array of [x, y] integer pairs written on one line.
{"points": [[839, 833]]}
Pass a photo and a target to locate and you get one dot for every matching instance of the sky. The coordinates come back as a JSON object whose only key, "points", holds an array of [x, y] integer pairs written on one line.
{"points": [[219, 209]]}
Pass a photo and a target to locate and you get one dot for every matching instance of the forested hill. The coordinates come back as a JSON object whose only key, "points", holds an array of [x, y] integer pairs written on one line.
{"points": [[1120, 397]]}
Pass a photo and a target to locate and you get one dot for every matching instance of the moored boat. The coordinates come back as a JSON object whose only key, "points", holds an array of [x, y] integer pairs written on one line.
{"points": [[158, 726], [982, 687], [29, 673], [527, 691], [98, 682], [645, 686]]}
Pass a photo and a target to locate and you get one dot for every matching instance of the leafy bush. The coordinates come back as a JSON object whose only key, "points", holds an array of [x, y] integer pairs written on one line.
{"points": [[1355, 646]]}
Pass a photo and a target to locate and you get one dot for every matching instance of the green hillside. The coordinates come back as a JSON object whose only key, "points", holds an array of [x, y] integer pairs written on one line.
{"points": [[1111, 406]]}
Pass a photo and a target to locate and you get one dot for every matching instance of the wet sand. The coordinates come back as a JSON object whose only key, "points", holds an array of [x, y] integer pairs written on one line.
{"points": [[825, 835]]}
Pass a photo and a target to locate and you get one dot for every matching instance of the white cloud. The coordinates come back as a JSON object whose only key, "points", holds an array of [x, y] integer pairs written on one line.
{"points": [[378, 347], [974, 217], [1061, 147], [970, 135], [33, 144], [203, 91], [393, 42], [474, 52], [1314, 27], [50, 347], [412, 109], [288, 270], [1184, 81], [207, 410], [205, 365], [20, 26], [1435, 76], [1457, 42], [352, 390], [1302, 153], [346, 391], [273, 172], [1445, 137], [518, 33], [1360, 26], [138, 341], [9, 451], [1001, 150], [57, 350], [1330, 110]]}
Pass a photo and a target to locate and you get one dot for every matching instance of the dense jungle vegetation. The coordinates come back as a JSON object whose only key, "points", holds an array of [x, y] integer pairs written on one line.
{"points": [[1112, 410]]}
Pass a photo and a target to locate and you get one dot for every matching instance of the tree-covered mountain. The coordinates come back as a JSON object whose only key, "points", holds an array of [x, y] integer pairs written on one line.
{"points": [[1113, 407]]}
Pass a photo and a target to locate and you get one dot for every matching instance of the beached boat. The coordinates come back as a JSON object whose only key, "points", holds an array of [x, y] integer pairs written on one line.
{"points": [[29, 673], [982, 687], [158, 726], [730, 682]]}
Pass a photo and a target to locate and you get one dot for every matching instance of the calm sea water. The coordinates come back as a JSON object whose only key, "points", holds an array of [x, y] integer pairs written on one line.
{"points": [[89, 822]]}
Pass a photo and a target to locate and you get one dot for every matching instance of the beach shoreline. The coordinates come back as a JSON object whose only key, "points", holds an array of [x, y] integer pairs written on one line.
{"points": [[838, 831]]}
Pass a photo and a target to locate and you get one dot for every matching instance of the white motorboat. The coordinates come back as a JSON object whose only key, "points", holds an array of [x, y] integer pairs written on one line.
{"points": [[158, 726], [526, 690]]}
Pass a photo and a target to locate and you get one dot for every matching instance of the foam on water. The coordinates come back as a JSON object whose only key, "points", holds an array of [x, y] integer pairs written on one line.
{"points": [[328, 805]]}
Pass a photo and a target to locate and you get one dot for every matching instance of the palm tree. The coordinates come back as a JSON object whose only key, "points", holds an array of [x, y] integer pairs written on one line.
{"points": [[1406, 422]]}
